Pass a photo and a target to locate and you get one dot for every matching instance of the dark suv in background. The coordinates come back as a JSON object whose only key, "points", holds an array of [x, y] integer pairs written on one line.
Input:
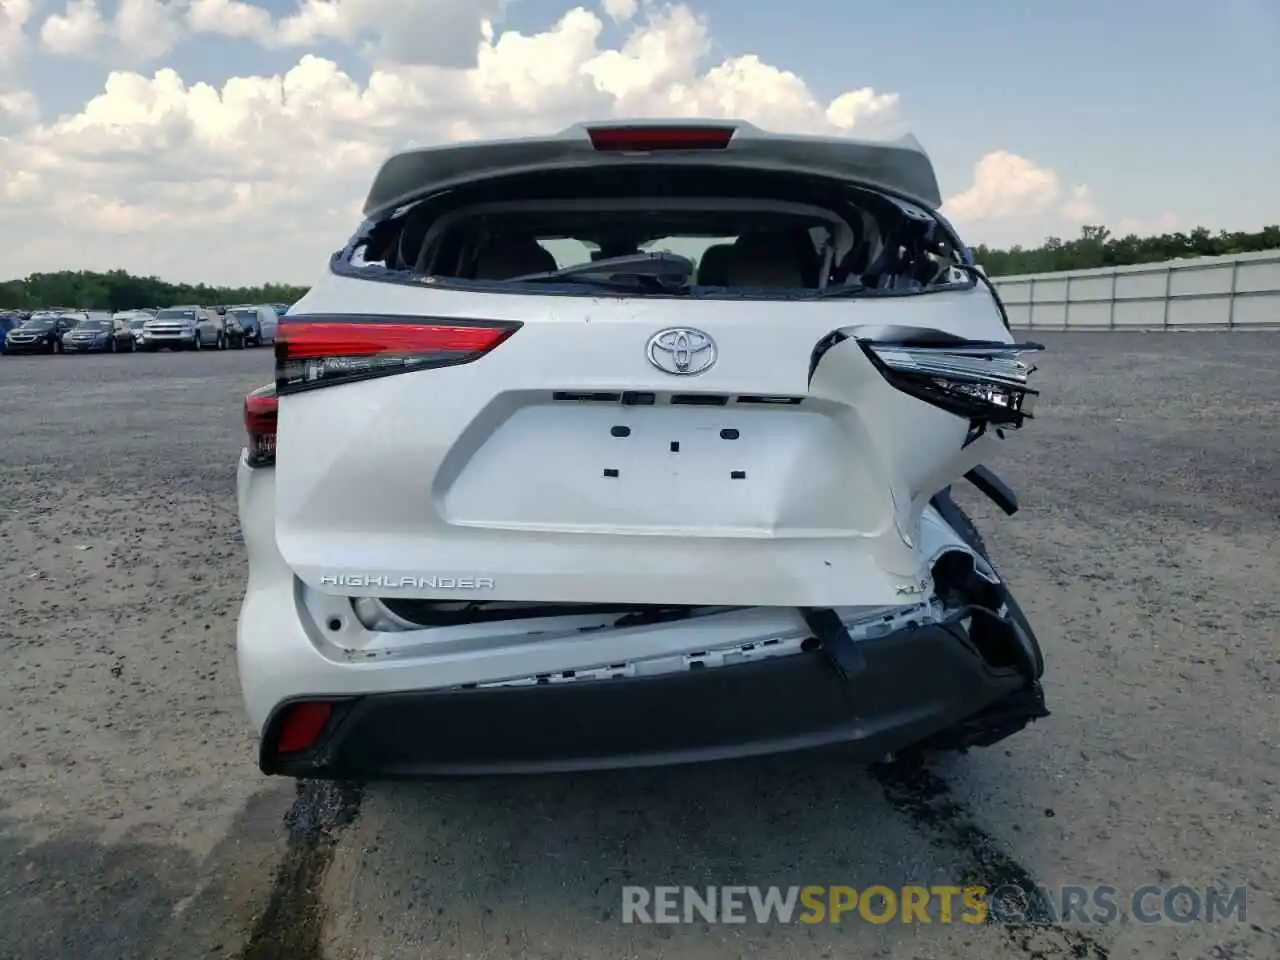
{"points": [[102, 334], [8, 321], [38, 334]]}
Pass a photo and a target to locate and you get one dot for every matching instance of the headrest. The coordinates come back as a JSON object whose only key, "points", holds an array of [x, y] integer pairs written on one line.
{"points": [[772, 258], [713, 268], [512, 255]]}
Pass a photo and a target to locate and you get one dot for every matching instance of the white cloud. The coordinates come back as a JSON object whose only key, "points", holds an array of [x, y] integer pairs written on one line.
{"points": [[438, 32], [141, 30], [18, 107], [1014, 200], [231, 18], [146, 29], [620, 11], [14, 15], [262, 177], [18, 110], [76, 30], [1006, 186]]}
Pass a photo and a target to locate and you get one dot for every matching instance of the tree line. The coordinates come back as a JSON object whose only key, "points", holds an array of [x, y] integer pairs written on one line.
{"points": [[1095, 247], [119, 290]]}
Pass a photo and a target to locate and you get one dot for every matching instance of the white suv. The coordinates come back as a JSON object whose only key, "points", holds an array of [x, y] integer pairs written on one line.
{"points": [[633, 445]]}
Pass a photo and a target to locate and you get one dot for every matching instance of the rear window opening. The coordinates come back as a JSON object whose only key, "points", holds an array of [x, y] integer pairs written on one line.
{"points": [[704, 232]]}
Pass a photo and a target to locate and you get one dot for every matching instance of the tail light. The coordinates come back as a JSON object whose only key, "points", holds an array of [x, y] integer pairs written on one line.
{"points": [[322, 351], [987, 383], [641, 139], [260, 421]]}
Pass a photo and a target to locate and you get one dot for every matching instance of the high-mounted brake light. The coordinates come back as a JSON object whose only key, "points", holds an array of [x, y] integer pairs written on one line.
{"points": [[985, 382], [260, 407], [648, 139], [320, 351]]}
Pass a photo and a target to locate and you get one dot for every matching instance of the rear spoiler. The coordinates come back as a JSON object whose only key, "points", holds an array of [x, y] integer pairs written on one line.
{"points": [[898, 167]]}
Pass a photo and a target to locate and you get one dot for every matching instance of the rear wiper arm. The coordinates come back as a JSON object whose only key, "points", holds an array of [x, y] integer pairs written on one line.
{"points": [[665, 271], [624, 282]]}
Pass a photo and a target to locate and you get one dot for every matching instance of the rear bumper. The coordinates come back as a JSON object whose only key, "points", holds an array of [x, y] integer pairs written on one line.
{"points": [[919, 686]]}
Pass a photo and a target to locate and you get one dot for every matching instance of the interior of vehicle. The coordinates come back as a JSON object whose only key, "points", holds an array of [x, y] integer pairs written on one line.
{"points": [[738, 230]]}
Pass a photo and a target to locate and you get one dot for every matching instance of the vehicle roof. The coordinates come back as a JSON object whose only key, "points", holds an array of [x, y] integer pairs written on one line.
{"points": [[899, 166]]}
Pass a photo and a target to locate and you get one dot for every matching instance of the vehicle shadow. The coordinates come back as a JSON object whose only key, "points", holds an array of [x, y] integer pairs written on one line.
{"points": [[73, 893], [537, 866]]}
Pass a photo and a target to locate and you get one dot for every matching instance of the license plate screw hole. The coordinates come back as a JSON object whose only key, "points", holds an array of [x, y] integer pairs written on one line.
{"points": [[610, 472], [620, 431], [738, 475], [729, 433]]}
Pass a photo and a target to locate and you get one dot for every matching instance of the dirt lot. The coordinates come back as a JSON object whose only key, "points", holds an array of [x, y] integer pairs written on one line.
{"points": [[133, 822]]}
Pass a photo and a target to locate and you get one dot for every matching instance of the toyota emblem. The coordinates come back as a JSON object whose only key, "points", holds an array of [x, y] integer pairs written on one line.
{"points": [[682, 351]]}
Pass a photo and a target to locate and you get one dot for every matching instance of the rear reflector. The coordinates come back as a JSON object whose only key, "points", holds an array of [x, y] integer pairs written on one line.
{"points": [[260, 408], [302, 725], [648, 139], [320, 351]]}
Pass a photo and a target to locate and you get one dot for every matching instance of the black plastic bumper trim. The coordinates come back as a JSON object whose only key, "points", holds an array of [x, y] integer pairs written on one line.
{"points": [[916, 683], [995, 489]]}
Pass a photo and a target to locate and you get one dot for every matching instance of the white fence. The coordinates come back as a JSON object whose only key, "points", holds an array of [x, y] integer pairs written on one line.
{"points": [[1235, 292]]}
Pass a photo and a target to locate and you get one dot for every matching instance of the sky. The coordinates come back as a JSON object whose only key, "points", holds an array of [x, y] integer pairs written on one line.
{"points": [[232, 141]]}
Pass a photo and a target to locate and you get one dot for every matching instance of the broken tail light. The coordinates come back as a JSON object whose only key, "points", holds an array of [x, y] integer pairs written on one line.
{"points": [[987, 383], [260, 422], [646, 139], [321, 351]]}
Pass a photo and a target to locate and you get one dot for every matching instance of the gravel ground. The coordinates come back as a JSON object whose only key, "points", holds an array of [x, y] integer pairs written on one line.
{"points": [[134, 824]]}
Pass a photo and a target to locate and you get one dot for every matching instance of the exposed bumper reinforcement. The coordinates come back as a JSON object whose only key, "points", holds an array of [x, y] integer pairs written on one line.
{"points": [[916, 686]]}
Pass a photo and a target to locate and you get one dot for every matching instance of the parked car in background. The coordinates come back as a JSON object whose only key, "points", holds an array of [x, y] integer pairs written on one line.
{"points": [[8, 321], [212, 330], [250, 326], [280, 308], [40, 334], [134, 321], [183, 328], [101, 334]]}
